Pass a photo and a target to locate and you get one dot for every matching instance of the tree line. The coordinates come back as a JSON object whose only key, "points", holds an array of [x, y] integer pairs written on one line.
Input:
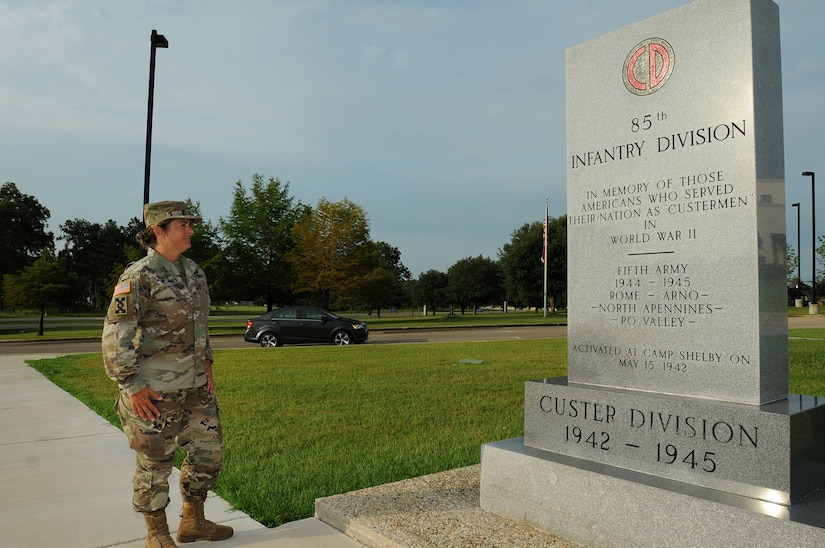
{"points": [[271, 250]]}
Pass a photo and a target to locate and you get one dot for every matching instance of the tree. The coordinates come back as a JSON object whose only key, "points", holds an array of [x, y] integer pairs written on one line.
{"points": [[430, 289], [258, 237], [474, 281], [333, 253], [520, 261], [206, 242], [792, 265], [45, 283], [792, 273], [385, 288], [557, 262], [820, 265], [23, 234], [91, 251], [131, 252], [207, 251]]}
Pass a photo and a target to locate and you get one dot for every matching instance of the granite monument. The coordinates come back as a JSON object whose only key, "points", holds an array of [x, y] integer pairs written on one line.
{"points": [[675, 413]]}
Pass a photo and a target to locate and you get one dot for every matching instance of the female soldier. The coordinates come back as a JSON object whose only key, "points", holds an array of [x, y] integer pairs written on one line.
{"points": [[156, 346]]}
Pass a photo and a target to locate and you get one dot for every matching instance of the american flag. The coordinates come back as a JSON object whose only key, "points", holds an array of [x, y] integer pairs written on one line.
{"points": [[122, 288], [544, 242]]}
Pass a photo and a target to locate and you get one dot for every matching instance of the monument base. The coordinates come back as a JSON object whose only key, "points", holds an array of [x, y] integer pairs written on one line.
{"points": [[600, 505], [762, 452]]}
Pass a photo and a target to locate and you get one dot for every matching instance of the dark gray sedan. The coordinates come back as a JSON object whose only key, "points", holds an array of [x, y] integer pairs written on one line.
{"points": [[302, 325]]}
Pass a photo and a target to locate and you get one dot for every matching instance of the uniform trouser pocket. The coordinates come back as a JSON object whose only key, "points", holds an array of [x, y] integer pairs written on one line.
{"points": [[202, 439], [154, 444]]}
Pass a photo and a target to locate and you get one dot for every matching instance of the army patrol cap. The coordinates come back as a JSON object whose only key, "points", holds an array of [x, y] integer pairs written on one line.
{"points": [[159, 212]]}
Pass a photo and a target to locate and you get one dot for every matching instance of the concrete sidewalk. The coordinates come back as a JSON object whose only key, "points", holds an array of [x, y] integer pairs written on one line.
{"points": [[66, 477]]}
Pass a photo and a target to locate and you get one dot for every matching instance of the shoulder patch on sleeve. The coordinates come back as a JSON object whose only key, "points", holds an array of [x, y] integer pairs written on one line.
{"points": [[121, 305]]}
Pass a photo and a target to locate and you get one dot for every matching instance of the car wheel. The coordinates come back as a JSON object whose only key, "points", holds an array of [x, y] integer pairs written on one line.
{"points": [[341, 337], [270, 340]]}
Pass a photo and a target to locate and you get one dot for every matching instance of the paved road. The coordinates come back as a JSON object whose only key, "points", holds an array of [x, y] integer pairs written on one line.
{"points": [[389, 336]]}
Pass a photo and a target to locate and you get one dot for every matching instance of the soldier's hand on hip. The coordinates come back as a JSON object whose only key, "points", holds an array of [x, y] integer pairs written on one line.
{"points": [[142, 404], [210, 380]]}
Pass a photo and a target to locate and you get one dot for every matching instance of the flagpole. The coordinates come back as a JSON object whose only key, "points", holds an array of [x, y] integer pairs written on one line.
{"points": [[544, 251]]}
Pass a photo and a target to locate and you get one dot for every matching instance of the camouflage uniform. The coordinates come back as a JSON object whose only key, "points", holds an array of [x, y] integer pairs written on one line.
{"points": [[156, 334]]}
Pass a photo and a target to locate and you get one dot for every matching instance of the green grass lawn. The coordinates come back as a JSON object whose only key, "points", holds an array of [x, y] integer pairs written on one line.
{"points": [[307, 422], [807, 361]]}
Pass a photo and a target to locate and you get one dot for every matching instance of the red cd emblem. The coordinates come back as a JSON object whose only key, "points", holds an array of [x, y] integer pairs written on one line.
{"points": [[648, 66]]}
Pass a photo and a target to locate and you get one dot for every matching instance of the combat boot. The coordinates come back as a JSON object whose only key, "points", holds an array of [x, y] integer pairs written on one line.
{"points": [[158, 536], [194, 526]]}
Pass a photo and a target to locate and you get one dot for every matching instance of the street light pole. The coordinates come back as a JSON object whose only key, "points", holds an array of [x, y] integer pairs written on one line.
{"points": [[798, 258], [813, 232], [157, 41]]}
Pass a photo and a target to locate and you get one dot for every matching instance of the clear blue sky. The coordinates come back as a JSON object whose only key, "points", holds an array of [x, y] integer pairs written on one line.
{"points": [[444, 120]]}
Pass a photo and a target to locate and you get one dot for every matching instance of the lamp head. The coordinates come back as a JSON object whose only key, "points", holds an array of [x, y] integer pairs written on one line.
{"points": [[795, 205], [159, 40], [808, 173]]}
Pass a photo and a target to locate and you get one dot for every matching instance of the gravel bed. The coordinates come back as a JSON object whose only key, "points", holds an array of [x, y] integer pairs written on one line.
{"points": [[436, 510]]}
